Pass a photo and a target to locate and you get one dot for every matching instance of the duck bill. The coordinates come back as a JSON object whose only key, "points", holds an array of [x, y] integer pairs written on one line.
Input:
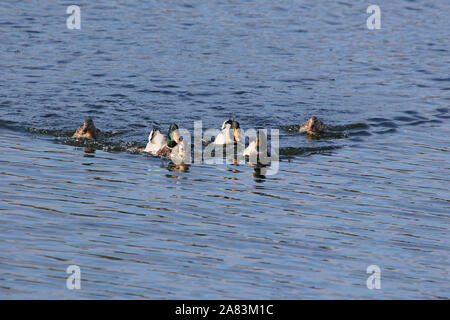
{"points": [[236, 135]]}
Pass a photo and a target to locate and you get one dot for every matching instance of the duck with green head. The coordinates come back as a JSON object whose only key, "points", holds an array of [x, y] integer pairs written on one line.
{"points": [[162, 145]]}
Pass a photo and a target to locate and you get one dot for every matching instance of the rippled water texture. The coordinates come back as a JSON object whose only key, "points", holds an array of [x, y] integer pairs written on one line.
{"points": [[373, 191]]}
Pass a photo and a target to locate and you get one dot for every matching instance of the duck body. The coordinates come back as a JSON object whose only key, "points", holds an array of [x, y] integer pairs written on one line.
{"points": [[156, 141], [258, 150], [252, 149], [88, 131], [229, 134], [176, 154], [313, 126]]}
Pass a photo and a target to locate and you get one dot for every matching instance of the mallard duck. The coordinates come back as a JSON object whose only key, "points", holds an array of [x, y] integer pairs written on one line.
{"points": [[156, 141], [254, 146], [88, 131], [258, 151], [224, 137], [313, 126], [160, 144], [177, 153]]}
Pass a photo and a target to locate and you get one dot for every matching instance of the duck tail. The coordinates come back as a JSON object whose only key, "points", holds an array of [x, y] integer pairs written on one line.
{"points": [[153, 133], [225, 123]]}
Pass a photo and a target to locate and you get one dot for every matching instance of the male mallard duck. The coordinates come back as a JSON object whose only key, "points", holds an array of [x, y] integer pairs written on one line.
{"points": [[177, 153], [224, 137], [88, 131], [160, 145], [313, 126]]}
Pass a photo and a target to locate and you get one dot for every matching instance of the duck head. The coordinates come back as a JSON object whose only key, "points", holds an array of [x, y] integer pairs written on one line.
{"points": [[87, 130], [173, 137], [312, 126]]}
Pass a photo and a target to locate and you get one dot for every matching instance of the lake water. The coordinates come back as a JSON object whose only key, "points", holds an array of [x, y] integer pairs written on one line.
{"points": [[375, 191]]}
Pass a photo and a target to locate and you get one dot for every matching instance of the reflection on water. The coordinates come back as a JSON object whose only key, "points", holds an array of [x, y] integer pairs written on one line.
{"points": [[89, 152], [259, 174], [182, 167]]}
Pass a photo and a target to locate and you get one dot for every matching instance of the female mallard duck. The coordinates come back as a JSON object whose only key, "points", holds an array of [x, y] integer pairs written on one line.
{"points": [[313, 126], [88, 131], [224, 137], [160, 145]]}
